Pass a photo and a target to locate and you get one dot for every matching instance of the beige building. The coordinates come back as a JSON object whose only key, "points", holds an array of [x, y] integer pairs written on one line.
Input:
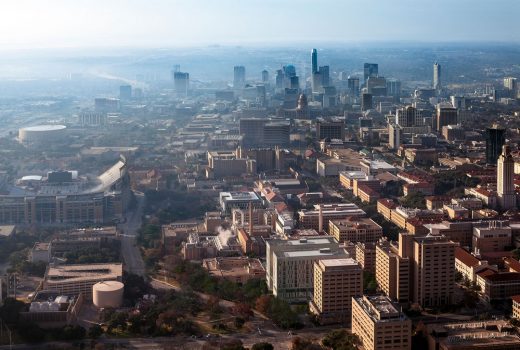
{"points": [[380, 325], [392, 272], [355, 229], [366, 256], [336, 281], [319, 217], [290, 265], [72, 280], [434, 270], [492, 236], [516, 306]]}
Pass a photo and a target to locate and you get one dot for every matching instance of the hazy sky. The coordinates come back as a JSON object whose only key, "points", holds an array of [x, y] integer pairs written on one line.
{"points": [[168, 23]]}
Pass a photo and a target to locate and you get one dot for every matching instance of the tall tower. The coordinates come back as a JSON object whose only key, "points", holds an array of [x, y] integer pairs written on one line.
{"points": [[505, 184], [437, 76], [495, 139], [239, 77], [314, 61]]}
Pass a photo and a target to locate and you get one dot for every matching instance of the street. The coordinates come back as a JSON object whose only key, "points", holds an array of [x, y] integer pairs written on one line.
{"points": [[131, 255]]}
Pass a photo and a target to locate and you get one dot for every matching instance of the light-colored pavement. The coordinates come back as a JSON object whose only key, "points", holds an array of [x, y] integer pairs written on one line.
{"points": [[131, 255]]}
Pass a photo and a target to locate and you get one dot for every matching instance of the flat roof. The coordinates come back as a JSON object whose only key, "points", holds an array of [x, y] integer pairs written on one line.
{"points": [[313, 252], [339, 262], [7, 230]]}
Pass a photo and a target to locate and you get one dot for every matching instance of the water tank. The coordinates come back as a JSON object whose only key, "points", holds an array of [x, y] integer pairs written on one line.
{"points": [[108, 294]]}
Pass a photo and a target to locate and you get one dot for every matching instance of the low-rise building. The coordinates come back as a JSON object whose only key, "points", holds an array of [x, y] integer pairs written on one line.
{"points": [[73, 280], [41, 252], [235, 269], [355, 229], [492, 335]]}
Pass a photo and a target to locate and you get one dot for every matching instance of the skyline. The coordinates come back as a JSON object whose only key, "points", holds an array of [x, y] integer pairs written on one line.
{"points": [[30, 24]]}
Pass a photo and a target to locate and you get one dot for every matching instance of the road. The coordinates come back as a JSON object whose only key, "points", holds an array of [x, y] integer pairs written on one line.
{"points": [[131, 255]]}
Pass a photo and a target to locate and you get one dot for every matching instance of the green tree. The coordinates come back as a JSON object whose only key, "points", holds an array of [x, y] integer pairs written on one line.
{"points": [[340, 340], [95, 331], [262, 346]]}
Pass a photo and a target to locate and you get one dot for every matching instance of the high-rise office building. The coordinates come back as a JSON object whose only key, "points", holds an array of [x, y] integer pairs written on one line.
{"points": [[370, 70], [495, 139], [366, 101], [330, 128], [353, 86], [434, 270], [265, 76], [239, 77], [181, 82], [336, 282], [446, 116], [437, 76], [510, 83], [407, 117], [325, 75], [253, 131], [395, 136], [376, 86], [505, 176], [279, 79], [125, 92], [393, 88], [380, 325], [314, 61]]}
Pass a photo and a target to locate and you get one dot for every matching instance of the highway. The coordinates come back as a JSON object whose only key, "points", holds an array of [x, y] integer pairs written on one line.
{"points": [[131, 255]]}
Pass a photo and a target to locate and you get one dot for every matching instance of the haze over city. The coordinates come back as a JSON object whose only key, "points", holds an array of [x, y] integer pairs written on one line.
{"points": [[233, 175]]}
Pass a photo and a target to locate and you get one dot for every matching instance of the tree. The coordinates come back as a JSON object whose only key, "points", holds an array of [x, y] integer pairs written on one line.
{"points": [[262, 346], [340, 340], [95, 331], [262, 303]]}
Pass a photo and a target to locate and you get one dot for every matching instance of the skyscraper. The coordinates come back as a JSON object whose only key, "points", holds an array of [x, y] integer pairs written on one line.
{"points": [[437, 76], [366, 101], [495, 139], [505, 184], [314, 61], [446, 116], [265, 76], [239, 77], [370, 70], [181, 82], [125, 92], [353, 86], [325, 76]]}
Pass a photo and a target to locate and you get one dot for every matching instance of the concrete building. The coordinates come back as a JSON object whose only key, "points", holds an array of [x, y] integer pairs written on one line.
{"points": [[355, 230], [380, 325], [241, 200], [290, 263], [75, 279], [330, 128], [336, 282], [41, 252], [393, 272], [516, 306], [446, 116], [488, 335], [434, 270], [492, 236], [366, 256], [97, 200], [319, 217]]}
